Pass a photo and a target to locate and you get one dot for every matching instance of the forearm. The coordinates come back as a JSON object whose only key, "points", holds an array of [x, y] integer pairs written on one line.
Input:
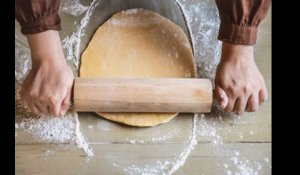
{"points": [[46, 47]]}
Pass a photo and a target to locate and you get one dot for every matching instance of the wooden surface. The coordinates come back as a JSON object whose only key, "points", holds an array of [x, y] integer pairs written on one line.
{"points": [[249, 135], [142, 95]]}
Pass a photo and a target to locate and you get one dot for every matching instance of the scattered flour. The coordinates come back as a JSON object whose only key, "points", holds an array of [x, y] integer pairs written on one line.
{"points": [[131, 11], [50, 129], [170, 166], [72, 43], [241, 165], [48, 152], [80, 140], [62, 129], [156, 169], [73, 7], [181, 158], [202, 18], [131, 21], [164, 137], [267, 160], [203, 25], [22, 57]]}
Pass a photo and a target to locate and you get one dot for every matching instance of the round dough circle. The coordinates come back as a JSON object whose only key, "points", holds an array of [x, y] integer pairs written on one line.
{"points": [[138, 43]]}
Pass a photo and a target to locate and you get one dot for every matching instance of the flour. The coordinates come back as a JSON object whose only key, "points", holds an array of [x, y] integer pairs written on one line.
{"points": [[163, 137], [62, 129], [181, 158], [79, 138], [72, 43], [202, 18], [132, 21], [240, 164], [203, 23], [131, 11], [22, 57], [49, 129], [156, 169], [169, 166], [73, 7]]}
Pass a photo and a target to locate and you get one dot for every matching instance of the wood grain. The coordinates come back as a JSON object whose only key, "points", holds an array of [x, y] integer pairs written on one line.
{"points": [[142, 95]]}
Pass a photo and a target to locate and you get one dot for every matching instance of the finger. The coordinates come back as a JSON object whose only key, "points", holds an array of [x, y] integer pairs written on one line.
{"points": [[221, 97], [43, 109], [55, 105], [263, 96], [65, 103], [240, 105], [230, 105], [252, 104], [34, 109]]}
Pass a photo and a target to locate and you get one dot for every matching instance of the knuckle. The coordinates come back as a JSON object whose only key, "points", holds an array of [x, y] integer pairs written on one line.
{"points": [[229, 91], [246, 89], [234, 82], [32, 94], [54, 99], [43, 98], [231, 88]]}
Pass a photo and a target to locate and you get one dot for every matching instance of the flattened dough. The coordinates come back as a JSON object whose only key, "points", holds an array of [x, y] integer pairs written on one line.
{"points": [[138, 43]]}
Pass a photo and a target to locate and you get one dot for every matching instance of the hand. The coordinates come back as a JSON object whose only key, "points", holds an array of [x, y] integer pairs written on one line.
{"points": [[239, 84], [47, 88]]}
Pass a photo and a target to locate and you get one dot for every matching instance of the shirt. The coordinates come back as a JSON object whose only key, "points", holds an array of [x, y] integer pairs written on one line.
{"points": [[239, 18]]}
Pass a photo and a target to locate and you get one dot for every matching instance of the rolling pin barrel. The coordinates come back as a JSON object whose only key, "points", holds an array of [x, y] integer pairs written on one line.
{"points": [[142, 95]]}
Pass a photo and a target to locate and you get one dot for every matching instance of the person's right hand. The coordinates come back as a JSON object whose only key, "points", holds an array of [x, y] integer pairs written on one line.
{"points": [[47, 88], [239, 84]]}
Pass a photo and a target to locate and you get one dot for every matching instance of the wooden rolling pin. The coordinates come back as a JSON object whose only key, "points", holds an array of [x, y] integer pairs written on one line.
{"points": [[142, 95]]}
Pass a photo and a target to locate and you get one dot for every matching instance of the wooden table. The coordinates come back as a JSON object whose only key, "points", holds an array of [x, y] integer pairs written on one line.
{"points": [[249, 138]]}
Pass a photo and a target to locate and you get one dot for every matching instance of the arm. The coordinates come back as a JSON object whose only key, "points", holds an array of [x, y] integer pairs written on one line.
{"points": [[239, 84], [47, 88]]}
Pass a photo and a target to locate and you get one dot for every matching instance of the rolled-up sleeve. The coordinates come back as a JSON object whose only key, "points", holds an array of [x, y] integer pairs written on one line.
{"points": [[37, 16], [240, 20]]}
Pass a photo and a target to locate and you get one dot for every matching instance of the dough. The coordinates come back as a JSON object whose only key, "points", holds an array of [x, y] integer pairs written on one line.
{"points": [[138, 43]]}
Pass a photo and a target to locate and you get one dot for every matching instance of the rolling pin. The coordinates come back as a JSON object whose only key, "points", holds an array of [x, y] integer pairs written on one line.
{"points": [[142, 95]]}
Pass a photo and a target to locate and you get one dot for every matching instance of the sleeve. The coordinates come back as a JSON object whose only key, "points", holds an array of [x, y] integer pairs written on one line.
{"points": [[240, 20], [37, 16]]}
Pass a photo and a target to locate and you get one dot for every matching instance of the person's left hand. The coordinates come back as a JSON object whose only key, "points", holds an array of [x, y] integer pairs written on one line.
{"points": [[239, 86]]}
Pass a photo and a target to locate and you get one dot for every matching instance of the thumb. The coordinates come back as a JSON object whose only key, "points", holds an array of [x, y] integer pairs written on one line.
{"points": [[221, 96]]}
